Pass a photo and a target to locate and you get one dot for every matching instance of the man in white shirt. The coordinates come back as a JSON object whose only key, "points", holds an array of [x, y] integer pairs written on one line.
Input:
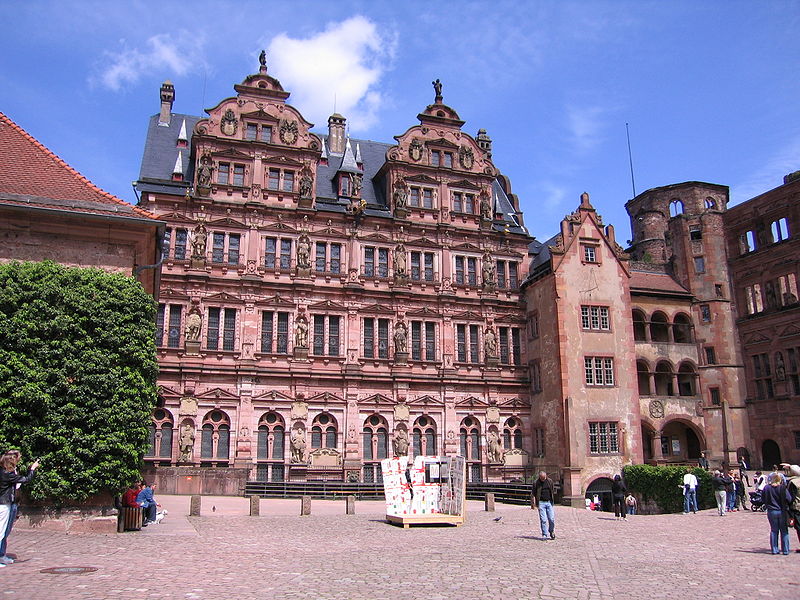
{"points": [[689, 492]]}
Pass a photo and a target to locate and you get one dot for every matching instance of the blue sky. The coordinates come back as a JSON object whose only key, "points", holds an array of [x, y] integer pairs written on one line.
{"points": [[710, 89]]}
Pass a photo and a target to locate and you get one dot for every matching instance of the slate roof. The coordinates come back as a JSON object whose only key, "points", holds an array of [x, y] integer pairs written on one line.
{"points": [[32, 176], [161, 151]]}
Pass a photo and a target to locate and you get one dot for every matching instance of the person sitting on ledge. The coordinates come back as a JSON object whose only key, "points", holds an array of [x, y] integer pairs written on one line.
{"points": [[146, 500], [129, 497]]}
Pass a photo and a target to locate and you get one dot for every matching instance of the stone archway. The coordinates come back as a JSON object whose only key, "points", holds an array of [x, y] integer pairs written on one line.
{"points": [[601, 487], [770, 454], [681, 442]]}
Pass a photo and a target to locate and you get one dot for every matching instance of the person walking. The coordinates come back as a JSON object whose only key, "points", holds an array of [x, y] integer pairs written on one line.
{"points": [[630, 503], [718, 484], [739, 489], [618, 491], [10, 481], [777, 500], [689, 492], [544, 496], [730, 491]]}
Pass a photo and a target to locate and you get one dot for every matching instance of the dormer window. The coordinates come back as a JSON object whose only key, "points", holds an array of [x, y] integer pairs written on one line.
{"points": [[420, 197], [344, 185], [266, 133], [441, 159], [254, 132]]}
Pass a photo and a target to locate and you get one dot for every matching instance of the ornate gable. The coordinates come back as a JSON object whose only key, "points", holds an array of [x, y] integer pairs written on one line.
{"points": [[175, 217], [755, 338], [514, 403], [790, 331], [376, 237], [376, 399], [167, 392], [231, 153], [421, 178], [281, 160], [279, 226], [467, 247]]}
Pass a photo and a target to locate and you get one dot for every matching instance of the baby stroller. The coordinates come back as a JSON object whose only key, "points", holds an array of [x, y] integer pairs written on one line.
{"points": [[756, 504]]}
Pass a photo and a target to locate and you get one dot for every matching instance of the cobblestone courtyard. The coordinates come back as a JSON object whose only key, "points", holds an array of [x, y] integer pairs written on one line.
{"points": [[227, 554]]}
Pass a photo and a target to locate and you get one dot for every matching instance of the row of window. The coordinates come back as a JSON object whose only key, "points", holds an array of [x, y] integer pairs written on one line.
{"points": [[751, 240], [783, 365], [277, 180], [775, 293], [326, 335], [664, 381]]}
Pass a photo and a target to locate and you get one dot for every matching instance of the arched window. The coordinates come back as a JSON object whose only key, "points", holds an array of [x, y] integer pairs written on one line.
{"points": [[687, 376], [159, 434], [424, 436], [663, 378], [512, 433], [471, 439], [271, 437], [639, 326], [375, 438], [643, 377], [215, 439], [323, 431], [710, 203], [682, 329], [659, 327], [675, 208]]}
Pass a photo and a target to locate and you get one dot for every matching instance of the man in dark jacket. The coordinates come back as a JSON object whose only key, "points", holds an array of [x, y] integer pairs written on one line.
{"points": [[9, 481], [719, 483], [544, 495]]}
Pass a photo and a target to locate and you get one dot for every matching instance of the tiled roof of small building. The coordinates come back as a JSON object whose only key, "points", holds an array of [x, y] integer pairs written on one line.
{"points": [[656, 282], [32, 175]]}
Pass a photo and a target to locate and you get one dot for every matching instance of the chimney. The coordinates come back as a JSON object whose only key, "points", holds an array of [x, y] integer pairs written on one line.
{"points": [[167, 98], [484, 142], [336, 140]]}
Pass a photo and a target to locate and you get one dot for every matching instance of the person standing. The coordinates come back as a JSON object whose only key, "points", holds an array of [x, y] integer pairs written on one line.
{"points": [[718, 483], [10, 481], [618, 491], [739, 489], [794, 491], [777, 500], [689, 492], [743, 470], [730, 491], [703, 461], [544, 496], [630, 503]]}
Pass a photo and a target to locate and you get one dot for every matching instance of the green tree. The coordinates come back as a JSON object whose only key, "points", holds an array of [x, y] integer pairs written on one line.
{"points": [[77, 376], [664, 485]]}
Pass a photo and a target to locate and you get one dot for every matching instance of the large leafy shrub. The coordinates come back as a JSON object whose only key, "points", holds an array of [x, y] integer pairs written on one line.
{"points": [[663, 485], [77, 376]]}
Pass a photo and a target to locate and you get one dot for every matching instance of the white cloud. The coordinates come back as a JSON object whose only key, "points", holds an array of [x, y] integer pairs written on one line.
{"points": [[173, 54], [342, 64], [586, 126], [769, 175], [554, 196]]}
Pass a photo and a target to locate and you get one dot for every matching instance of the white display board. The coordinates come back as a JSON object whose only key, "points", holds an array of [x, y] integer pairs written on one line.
{"points": [[432, 485]]}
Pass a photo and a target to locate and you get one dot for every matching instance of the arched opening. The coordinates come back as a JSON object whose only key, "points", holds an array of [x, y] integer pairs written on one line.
{"points": [[687, 379], [512, 433], [271, 447], [710, 204], [160, 436], [470, 442], [215, 438], [770, 454], [643, 378], [599, 491], [375, 447], [424, 436], [664, 380], [639, 326], [681, 442], [324, 431], [682, 329], [659, 327], [675, 208], [648, 437]]}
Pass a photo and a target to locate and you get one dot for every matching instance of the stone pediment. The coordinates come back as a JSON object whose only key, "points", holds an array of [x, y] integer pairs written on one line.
{"points": [[273, 395], [467, 316], [441, 143], [327, 305], [260, 115], [467, 247], [223, 297], [376, 309], [231, 153], [277, 302], [330, 231], [423, 312], [464, 185], [227, 222], [426, 400], [176, 217], [217, 394], [173, 295], [377, 399], [283, 161], [514, 403], [167, 392], [279, 226], [375, 237], [471, 402], [509, 319], [755, 338], [421, 178], [325, 398], [422, 242], [790, 331]]}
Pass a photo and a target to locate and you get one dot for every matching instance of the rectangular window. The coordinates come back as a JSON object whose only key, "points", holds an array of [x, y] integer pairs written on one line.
{"points": [[223, 173], [416, 340], [319, 334], [267, 331], [797, 440], [369, 262], [711, 356], [459, 270], [174, 333], [327, 335], [469, 203], [270, 245], [288, 181], [516, 346], [368, 346], [794, 374], [266, 133], [251, 132], [457, 206], [533, 325], [589, 254], [165, 242], [333, 336], [427, 198], [705, 313], [538, 441], [268, 339], [422, 266], [383, 262], [603, 438], [218, 248], [501, 274], [699, 264], [430, 341], [472, 271], [376, 346], [763, 376], [461, 343], [436, 158], [282, 345], [448, 160], [598, 370], [160, 316], [695, 232], [229, 330], [413, 197], [474, 343], [274, 181], [212, 329], [504, 356], [336, 258], [536, 377], [716, 399], [238, 175], [286, 254], [233, 248], [595, 318], [320, 257], [181, 235]]}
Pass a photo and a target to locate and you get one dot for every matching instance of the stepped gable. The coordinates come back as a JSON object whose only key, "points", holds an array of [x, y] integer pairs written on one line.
{"points": [[32, 175]]}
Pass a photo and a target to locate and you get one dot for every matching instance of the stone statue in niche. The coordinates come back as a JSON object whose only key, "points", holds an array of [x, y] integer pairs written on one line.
{"points": [[193, 324], [400, 194], [204, 172], [306, 185], [199, 240], [772, 299], [400, 337], [490, 343], [229, 124], [301, 332], [304, 252], [486, 208], [399, 258], [489, 270], [186, 443], [400, 443], [495, 450], [356, 182], [298, 444], [780, 367]]}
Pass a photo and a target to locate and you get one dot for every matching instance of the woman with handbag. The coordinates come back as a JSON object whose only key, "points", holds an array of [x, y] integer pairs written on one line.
{"points": [[777, 499]]}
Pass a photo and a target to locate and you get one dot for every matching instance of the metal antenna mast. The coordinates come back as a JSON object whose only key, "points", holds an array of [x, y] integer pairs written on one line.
{"points": [[630, 159]]}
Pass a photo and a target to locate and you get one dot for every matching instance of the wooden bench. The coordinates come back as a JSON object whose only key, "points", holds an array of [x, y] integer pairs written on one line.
{"points": [[129, 519]]}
